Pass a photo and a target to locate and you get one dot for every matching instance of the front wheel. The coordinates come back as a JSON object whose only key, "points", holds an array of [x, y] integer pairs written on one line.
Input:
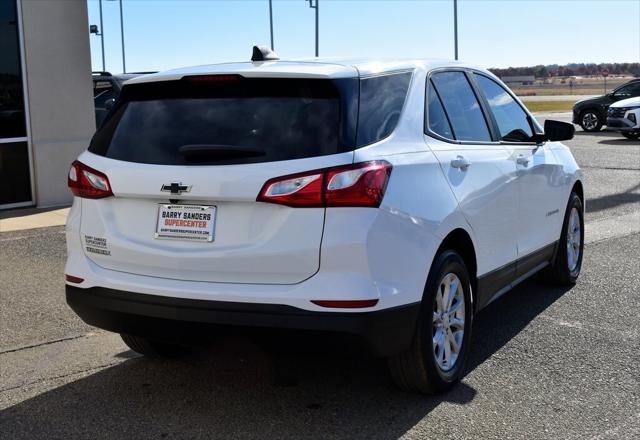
{"points": [[591, 121], [435, 361], [565, 268], [631, 134]]}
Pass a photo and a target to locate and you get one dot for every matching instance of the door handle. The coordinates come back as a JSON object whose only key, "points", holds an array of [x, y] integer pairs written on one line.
{"points": [[522, 160], [460, 162]]}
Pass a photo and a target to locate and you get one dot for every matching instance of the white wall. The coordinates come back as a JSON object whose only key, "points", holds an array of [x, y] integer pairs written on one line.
{"points": [[58, 81]]}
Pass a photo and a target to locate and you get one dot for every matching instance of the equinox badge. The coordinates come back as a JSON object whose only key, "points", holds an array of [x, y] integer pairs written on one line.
{"points": [[176, 188]]}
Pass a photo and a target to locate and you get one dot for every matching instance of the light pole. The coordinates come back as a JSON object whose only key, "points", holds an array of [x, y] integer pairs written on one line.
{"points": [[124, 65], [455, 27], [314, 5], [93, 29], [102, 36], [271, 23]]}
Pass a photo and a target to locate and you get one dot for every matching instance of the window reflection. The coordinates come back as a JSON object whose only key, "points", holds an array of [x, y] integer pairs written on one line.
{"points": [[12, 117]]}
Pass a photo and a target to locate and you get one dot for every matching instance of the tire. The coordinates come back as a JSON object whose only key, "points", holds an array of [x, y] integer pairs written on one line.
{"points": [[417, 369], [564, 270], [591, 121], [151, 348], [631, 134]]}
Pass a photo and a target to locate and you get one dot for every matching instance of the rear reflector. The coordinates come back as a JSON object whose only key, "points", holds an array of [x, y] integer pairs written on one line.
{"points": [[346, 304], [72, 279], [88, 183], [361, 184]]}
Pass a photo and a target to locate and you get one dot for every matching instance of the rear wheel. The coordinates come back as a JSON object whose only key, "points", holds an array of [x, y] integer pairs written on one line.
{"points": [[631, 134], [565, 268], [435, 361], [152, 348], [590, 120]]}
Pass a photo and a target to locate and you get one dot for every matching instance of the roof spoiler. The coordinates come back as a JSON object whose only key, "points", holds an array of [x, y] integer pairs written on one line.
{"points": [[263, 53]]}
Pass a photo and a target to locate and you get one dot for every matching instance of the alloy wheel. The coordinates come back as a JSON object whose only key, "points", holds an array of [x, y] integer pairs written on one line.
{"points": [[574, 239], [590, 121], [448, 321]]}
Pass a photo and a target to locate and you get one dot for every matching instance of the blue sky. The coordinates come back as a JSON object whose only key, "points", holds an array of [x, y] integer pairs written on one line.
{"points": [[162, 34]]}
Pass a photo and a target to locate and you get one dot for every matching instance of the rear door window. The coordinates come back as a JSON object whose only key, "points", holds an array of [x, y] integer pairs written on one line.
{"points": [[228, 119], [462, 107]]}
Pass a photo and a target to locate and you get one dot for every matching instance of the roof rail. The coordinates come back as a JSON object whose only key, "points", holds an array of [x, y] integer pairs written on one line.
{"points": [[144, 73], [101, 73]]}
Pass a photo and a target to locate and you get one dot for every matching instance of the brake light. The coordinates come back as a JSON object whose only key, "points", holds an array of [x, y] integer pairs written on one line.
{"points": [[361, 184], [211, 78], [88, 183]]}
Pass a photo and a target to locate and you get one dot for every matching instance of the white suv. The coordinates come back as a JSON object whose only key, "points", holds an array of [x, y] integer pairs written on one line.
{"points": [[624, 116], [387, 200]]}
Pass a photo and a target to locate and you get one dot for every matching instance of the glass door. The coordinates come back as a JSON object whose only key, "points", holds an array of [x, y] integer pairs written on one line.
{"points": [[15, 168]]}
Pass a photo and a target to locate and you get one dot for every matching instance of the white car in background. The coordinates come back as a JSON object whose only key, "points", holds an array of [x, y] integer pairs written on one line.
{"points": [[624, 116], [389, 200]]}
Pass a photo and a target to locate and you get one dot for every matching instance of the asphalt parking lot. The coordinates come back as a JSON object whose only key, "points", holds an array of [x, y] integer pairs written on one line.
{"points": [[545, 362]]}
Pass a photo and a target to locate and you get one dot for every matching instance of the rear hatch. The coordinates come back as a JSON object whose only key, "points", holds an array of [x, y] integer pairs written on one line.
{"points": [[186, 159]]}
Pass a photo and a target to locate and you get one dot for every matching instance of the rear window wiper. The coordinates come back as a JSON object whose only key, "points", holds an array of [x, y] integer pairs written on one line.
{"points": [[220, 152]]}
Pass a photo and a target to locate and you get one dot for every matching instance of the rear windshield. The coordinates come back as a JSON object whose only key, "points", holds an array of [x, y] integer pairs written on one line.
{"points": [[229, 120]]}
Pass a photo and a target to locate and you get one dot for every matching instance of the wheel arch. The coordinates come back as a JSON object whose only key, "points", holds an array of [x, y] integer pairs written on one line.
{"points": [[460, 241], [578, 188]]}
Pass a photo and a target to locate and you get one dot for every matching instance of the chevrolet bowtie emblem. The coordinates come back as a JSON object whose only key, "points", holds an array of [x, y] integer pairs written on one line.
{"points": [[176, 188]]}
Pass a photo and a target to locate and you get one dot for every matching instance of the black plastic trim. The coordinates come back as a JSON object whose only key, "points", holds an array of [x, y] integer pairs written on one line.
{"points": [[495, 282], [384, 332]]}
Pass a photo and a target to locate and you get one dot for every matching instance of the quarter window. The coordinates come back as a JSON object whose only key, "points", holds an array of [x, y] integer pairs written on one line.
{"points": [[381, 102], [462, 107], [510, 117]]}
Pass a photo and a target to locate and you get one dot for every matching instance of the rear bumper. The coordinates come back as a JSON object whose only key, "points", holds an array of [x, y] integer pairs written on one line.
{"points": [[385, 332]]}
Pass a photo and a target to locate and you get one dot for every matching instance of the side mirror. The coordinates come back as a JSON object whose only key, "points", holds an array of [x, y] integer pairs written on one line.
{"points": [[109, 103], [558, 131]]}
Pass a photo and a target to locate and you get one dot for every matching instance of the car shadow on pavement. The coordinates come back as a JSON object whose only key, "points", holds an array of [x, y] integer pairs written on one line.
{"points": [[503, 319], [627, 197], [621, 142], [239, 389], [603, 133]]}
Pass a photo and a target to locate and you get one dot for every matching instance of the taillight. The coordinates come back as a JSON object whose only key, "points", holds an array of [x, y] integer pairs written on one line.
{"points": [[361, 184], [88, 183]]}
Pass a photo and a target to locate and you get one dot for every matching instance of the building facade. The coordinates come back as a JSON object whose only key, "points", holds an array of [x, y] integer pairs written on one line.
{"points": [[46, 101]]}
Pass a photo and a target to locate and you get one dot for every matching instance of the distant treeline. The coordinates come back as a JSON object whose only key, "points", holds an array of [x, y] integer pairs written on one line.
{"points": [[573, 69]]}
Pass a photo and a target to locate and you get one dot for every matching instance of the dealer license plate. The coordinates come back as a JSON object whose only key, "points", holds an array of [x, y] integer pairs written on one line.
{"points": [[186, 222]]}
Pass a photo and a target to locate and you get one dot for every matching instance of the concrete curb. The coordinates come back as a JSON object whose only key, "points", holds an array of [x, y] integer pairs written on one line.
{"points": [[18, 220]]}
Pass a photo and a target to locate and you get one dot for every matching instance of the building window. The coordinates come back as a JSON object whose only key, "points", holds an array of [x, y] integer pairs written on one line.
{"points": [[15, 179]]}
